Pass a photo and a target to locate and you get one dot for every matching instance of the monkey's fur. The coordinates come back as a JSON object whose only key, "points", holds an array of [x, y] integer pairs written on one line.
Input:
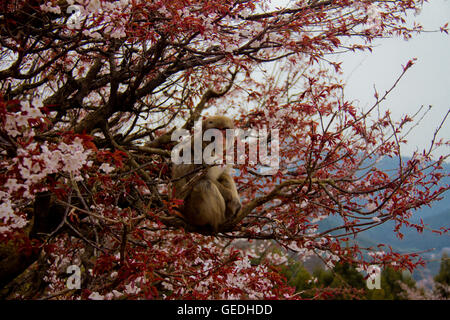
{"points": [[213, 199]]}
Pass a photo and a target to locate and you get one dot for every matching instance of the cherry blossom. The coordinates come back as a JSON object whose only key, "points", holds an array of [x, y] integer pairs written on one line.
{"points": [[94, 91]]}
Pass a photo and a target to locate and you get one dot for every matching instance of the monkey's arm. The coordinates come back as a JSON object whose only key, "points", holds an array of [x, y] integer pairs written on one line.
{"points": [[228, 190], [215, 172]]}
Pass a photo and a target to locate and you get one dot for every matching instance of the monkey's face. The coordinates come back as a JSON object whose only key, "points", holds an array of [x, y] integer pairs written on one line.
{"points": [[221, 123], [217, 122]]}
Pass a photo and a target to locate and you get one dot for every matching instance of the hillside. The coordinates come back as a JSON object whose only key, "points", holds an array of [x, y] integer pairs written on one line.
{"points": [[436, 216]]}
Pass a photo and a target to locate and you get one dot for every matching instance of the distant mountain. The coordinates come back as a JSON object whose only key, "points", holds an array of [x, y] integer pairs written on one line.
{"points": [[388, 164], [436, 216], [412, 240]]}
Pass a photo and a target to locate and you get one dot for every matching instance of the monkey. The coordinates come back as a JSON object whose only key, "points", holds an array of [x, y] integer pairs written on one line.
{"points": [[214, 198]]}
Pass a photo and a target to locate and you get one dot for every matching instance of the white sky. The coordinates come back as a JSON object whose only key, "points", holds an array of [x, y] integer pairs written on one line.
{"points": [[426, 83]]}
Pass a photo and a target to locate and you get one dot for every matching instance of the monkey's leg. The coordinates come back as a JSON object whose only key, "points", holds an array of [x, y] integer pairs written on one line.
{"points": [[205, 206], [228, 190]]}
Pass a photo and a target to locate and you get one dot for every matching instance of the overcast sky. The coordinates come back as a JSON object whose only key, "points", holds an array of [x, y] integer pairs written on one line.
{"points": [[426, 83]]}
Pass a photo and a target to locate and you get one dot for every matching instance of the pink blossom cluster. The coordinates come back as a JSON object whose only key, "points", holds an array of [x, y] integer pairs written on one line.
{"points": [[33, 163]]}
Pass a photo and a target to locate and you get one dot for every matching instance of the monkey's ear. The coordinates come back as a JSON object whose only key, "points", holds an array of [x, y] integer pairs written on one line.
{"points": [[205, 122]]}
